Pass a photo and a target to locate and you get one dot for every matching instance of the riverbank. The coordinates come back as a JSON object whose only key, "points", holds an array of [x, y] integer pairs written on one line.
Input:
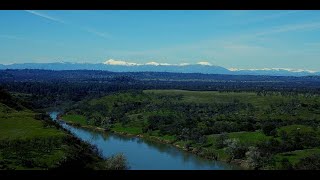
{"points": [[201, 152]]}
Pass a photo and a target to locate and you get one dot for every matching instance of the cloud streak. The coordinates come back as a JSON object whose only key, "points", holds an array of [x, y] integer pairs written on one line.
{"points": [[45, 16], [103, 35], [10, 37], [89, 30], [291, 27], [234, 44], [268, 17]]}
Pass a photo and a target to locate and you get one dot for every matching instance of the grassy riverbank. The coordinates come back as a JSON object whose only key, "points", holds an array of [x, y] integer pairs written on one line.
{"points": [[202, 152]]}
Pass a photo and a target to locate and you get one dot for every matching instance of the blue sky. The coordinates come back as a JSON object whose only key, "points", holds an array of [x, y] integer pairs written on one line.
{"points": [[232, 39]]}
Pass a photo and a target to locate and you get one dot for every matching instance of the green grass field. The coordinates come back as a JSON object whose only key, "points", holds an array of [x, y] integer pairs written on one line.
{"points": [[28, 144], [251, 138], [291, 128], [131, 130], [22, 125], [75, 118], [295, 156]]}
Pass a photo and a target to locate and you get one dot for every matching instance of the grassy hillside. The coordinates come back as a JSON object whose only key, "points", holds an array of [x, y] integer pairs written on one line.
{"points": [[30, 140], [256, 128], [22, 125], [275, 105]]}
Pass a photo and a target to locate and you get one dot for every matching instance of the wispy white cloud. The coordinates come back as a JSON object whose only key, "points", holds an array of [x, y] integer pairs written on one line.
{"points": [[89, 30], [269, 17], [237, 48], [241, 47], [10, 37], [101, 34], [37, 13], [232, 48], [290, 27]]}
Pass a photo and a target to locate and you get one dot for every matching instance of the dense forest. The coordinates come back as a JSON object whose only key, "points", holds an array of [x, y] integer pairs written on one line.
{"points": [[48, 88], [260, 122]]}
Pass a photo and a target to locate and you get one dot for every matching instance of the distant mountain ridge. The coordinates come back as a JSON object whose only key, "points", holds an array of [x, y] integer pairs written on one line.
{"points": [[188, 68]]}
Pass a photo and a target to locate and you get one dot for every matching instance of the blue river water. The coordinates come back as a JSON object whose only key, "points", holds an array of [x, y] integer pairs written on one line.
{"points": [[143, 154]]}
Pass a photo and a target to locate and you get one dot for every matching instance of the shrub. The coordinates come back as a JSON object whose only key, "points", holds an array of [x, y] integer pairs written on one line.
{"points": [[236, 149], [255, 158], [269, 129], [116, 162], [211, 154], [309, 163], [285, 164], [221, 140]]}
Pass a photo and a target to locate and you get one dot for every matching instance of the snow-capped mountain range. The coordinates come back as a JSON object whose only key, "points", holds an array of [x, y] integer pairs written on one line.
{"points": [[124, 66]]}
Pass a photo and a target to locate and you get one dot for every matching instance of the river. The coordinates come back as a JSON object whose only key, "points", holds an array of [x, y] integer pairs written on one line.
{"points": [[143, 154]]}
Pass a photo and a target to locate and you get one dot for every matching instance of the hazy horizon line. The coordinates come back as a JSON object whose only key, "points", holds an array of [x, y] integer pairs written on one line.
{"points": [[114, 62]]}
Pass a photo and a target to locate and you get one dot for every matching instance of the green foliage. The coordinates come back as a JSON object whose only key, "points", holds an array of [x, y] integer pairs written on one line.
{"points": [[297, 137], [221, 141], [295, 156], [286, 164], [309, 163], [131, 130], [269, 129], [211, 154], [235, 149], [257, 159], [7, 99], [75, 118]]}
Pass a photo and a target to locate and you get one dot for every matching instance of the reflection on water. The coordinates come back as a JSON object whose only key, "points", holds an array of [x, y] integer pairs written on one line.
{"points": [[143, 154]]}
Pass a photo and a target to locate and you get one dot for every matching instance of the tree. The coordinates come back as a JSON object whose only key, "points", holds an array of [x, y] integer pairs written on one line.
{"points": [[116, 162], [269, 129], [221, 140], [211, 154], [309, 163], [284, 135], [286, 164], [255, 158], [236, 149], [140, 117], [269, 147]]}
